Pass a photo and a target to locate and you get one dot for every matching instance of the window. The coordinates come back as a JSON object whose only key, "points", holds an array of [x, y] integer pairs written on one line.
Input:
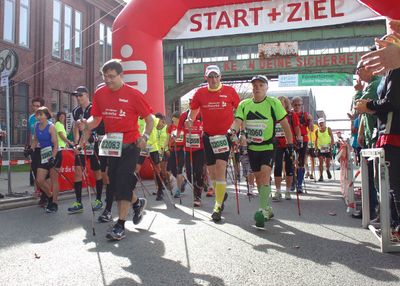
{"points": [[67, 33], [78, 38], [55, 101], [105, 42], [24, 23], [56, 49], [65, 101], [9, 21]]}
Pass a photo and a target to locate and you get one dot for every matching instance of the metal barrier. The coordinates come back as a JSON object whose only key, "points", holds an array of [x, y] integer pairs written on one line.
{"points": [[384, 234]]}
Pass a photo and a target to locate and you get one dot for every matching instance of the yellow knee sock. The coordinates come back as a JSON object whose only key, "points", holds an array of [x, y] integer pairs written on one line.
{"points": [[220, 188]]}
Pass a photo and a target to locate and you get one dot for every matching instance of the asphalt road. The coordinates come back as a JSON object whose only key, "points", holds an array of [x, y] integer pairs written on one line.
{"points": [[170, 247]]}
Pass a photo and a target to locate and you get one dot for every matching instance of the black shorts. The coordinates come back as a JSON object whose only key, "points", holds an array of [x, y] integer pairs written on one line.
{"points": [[155, 157], [103, 163], [57, 162], [94, 161], [325, 155], [212, 158], [176, 161], [35, 160], [280, 155], [311, 152], [120, 172], [259, 158]]}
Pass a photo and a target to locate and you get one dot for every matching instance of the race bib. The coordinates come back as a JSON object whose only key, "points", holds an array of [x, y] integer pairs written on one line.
{"points": [[180, 138], [325, 149], [89, 149], [111, 145], [145, 152], [193, 141], [45, 154], [255, 130], [279, 130], [219, 144]]}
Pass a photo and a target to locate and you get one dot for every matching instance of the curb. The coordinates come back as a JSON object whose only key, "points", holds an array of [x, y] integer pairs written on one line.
{"points": [[14, 203]]}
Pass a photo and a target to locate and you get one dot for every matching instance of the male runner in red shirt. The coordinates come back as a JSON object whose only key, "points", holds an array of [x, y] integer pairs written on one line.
{"points": [[216, 102], [119, 106]]}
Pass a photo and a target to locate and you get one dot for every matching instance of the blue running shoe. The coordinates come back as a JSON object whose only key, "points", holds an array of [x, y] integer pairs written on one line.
{"points": [[116, 233], [139, 210]]}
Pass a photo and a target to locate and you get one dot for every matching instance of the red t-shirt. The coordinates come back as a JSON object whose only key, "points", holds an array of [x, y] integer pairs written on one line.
{"points": [[197, 131], [293, 122], [172, 130], [304, 123], [216, 108], [120, 110]]}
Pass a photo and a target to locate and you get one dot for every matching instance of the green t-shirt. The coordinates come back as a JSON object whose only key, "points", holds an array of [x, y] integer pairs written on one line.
{"points": [[60, 128], [259, 121]]}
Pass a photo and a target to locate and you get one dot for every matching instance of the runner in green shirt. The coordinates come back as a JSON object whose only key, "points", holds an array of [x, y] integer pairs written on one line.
{"points": [[259, 115], [60, 130]]}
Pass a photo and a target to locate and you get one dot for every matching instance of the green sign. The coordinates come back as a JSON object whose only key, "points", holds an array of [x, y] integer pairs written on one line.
{"points": [[325, 79]]}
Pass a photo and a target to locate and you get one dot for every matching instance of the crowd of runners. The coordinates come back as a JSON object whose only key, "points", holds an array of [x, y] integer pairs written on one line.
{"points": [[219, 136]]}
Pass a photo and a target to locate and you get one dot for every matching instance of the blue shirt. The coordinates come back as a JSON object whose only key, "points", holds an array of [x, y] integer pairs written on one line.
{"points": [[32, 122]]}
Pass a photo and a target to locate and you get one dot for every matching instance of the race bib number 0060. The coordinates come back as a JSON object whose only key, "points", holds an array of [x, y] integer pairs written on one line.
{"points": [[219, 144], [111, 145], [255, 130]]}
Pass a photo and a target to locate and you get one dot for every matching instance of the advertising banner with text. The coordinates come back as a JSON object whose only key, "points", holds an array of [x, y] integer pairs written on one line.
{"points": [[265, 16]]}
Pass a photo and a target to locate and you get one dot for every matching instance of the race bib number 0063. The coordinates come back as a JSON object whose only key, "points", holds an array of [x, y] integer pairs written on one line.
{"points": [[111, 145], [193, 141]]}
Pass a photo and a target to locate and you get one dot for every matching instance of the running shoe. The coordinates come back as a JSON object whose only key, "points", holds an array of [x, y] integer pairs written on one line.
{"points": [[210, 192], [105, 216], [51, 207], [311, 177], [277, 197], [197, 203], [329, 174], [139, 210], [299, 189], [177, 193], [268, 213], [259, 218], [116, 233], [76, 208], [216, 215], [321, 179], [288, 196], [97, 205], [159, 196], [307, 175]]}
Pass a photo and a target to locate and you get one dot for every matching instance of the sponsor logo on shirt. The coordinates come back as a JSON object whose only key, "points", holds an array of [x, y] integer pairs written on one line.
{"points": [[223, 95], [123, 100], [122, 113]]}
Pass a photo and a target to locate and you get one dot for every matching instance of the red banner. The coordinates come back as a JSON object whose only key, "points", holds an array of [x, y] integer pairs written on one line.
{"points": [[67, 170]]}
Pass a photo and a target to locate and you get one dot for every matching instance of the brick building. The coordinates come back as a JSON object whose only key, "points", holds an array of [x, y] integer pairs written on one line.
{"points": [[51, 47]]}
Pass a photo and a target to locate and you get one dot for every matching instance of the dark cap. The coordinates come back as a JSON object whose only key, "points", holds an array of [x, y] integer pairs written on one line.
{"points": [[80, 89], [260, 77]]}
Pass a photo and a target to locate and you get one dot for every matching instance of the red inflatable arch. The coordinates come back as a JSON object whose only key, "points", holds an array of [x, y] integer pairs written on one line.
{"points": [[141, 26]]}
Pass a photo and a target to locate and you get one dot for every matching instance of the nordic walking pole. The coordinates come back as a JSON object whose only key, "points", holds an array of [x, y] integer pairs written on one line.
{"points": [[191, 166], [162, 182], [297, 193], [235, 178], [177, 168], [85, 177], [144, 189]]}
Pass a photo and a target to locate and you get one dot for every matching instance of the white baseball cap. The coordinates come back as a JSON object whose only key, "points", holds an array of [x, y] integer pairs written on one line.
{"points": [[212, 68], [321, 120]]}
